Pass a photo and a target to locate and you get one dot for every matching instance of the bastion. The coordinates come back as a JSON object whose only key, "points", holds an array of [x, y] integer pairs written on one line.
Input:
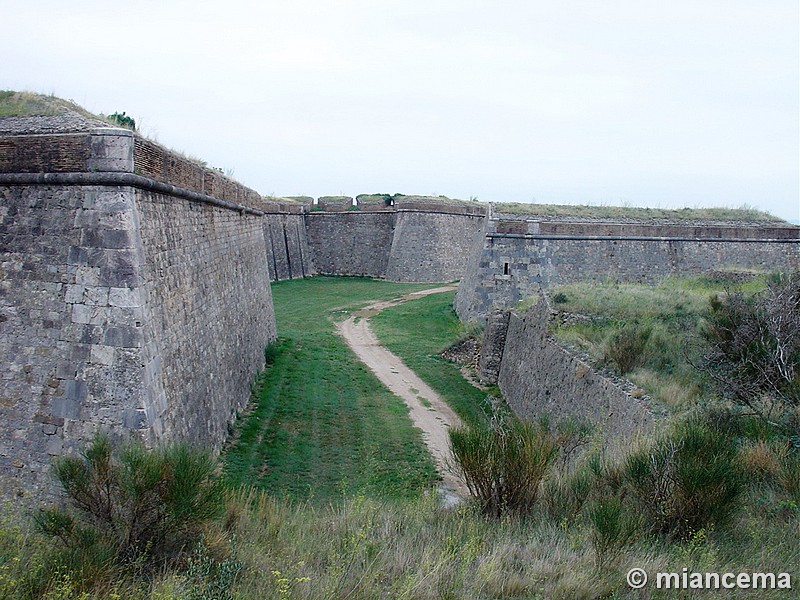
{"points": [[134, 294]]}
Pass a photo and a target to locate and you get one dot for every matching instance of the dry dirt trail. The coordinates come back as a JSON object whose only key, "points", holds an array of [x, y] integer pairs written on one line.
{"points": [[428, 411]]}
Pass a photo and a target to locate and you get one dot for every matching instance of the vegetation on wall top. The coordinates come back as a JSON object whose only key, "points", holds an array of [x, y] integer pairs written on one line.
{"points": [[742, 213]]}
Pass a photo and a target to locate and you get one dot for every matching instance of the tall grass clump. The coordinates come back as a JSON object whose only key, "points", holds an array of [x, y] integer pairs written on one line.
{"points": [[688, 480], [128, 505], [504, 461]]}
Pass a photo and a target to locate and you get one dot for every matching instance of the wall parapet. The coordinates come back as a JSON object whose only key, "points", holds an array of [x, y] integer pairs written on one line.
{"points": [[121, 179]]}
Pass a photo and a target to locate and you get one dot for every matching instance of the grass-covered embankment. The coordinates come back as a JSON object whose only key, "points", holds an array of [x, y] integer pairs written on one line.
{"points": [[648, 333], [322, 426]]}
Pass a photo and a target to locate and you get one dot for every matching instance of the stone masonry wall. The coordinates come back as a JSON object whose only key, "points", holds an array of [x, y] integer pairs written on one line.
{"points": [[350, 242], [127, 304], [510, 265], [209, 314], [288, 254], [70, 323], [432, 246], [538, 377]]}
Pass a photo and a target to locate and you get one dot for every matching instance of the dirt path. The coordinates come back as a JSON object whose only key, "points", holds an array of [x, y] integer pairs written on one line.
{"points": [[428, 411]]}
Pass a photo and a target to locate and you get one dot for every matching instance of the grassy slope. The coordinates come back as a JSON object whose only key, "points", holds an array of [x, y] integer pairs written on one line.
{"points": [[671, 310], [323, 425], [417, 332]]}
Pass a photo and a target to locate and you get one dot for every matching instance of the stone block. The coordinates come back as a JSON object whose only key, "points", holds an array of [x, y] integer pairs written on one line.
{"points": [[123, 337], [111, 150], [102, 355], [76, 390], [66, 408], [134, 419], [124, 297]]}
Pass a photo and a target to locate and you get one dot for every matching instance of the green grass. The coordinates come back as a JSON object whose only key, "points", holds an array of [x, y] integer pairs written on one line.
{"points": [[671, 311], [24, 104], [364, 548], [323, 426], [418, 331], [308, 440], [743, 213]]}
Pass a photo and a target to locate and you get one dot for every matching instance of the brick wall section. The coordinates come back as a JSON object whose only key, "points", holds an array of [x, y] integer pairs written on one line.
{"points": [[105, 149], [154, 161], [538, 377], [46, 153]]}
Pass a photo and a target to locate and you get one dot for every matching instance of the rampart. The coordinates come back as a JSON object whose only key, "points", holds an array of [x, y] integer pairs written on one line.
{"points": [[134, 296], [515, 258], [411, 239]]}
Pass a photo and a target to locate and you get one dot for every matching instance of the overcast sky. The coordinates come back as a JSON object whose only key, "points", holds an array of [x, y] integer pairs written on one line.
{"points": [[666, 103]]}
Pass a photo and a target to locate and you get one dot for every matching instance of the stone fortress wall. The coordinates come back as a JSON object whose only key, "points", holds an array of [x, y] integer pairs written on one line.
{"points": [[517, 257], [134, 296], [394, 238]]}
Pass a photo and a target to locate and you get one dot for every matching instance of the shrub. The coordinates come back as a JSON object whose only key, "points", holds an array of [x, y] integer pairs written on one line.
{"points": [[503, 462], [123, 120], [688, 480], [626, 348], [754, 342], [132, 505], [614, 526], [789, 475], [564, 494]]}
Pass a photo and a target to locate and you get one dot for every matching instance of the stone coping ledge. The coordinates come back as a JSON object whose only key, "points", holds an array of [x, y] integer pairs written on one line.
{"points": [[394, 209], [121, 179], [640, 238]]}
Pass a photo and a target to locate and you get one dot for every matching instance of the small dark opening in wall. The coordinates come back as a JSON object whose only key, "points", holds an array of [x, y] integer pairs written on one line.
{"points": [[505, 268]]}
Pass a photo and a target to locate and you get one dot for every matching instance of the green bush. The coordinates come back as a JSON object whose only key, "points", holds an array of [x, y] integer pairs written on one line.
{"points": [[565, 493], [130, 505], [754, 346], [614, 526], [123, 120], [688, 480], [504, 462], [626, 348]]}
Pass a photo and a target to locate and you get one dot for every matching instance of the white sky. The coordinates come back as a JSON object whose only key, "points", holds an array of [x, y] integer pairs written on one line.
{"points": [[666, 103]]}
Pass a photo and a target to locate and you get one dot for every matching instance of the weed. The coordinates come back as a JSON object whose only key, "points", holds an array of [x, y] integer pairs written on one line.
{"points": [[614, 526], [626, 348]]}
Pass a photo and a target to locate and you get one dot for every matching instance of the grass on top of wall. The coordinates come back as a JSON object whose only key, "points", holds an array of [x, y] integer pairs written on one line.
{"points": [[742, 213], [664, 317], [322, 425], [418, 331]]}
